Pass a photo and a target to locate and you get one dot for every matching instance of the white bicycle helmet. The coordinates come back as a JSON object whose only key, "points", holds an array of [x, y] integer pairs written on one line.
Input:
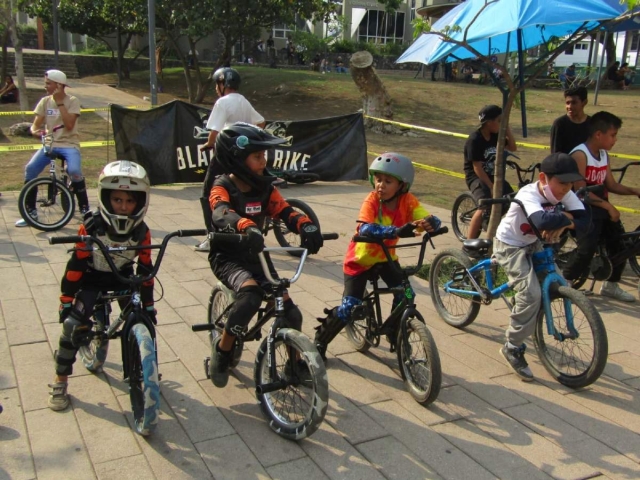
{"points": [[396, 165], [129, 177]]}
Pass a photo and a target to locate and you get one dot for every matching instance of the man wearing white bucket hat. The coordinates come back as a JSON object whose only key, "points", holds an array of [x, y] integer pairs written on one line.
{"points": [[57, 108]]}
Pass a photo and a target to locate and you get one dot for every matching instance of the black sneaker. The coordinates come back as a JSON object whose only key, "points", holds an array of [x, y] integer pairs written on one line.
{"points": [[515, 357], [219, 365], [84, 209]]}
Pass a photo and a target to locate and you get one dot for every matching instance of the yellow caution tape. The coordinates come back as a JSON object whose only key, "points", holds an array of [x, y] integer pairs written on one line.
{"points": [[462, 135], [83, 110], [16, 148]]}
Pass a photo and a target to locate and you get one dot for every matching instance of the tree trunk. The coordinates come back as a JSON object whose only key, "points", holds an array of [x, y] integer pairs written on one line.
{"points": [[5, 54], [375, 98], [22, 84], [120, 54]]}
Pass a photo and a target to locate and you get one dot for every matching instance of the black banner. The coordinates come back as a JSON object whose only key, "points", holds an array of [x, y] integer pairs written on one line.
{"points": [[161, 140]]}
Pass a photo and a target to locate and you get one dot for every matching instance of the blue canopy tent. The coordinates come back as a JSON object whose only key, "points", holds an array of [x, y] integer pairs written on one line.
{"points": [[508, 26]]}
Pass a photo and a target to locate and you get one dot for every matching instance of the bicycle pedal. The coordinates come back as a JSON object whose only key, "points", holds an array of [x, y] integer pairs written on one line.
{"points": [[207, 360]]}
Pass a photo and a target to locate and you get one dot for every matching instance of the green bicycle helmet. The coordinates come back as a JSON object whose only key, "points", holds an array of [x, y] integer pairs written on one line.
{"points": [[396, 165]]}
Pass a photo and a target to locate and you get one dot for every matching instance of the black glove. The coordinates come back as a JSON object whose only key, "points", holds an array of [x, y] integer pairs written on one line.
{"points": [[311, 237], [406, 231], [64, 311], [151, 313], [255, 240]]}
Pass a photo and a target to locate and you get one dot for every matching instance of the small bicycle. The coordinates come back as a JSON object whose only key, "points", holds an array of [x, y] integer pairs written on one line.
{"points": [[464, 206], [294, 409], [52, 195], [570, 337], [134, 328], [405, 328]]}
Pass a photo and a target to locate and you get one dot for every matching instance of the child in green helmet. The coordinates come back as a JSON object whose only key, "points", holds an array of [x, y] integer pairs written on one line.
{"points": [[389, 212]]}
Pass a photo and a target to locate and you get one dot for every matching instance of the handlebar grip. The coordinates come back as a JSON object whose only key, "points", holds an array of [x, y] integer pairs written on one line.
{"points": [[66, 239], [491, 201], [592, 188], [330, 236], [363, 239], [192, 233], [441, 231], [203, 327], [226, 238]]}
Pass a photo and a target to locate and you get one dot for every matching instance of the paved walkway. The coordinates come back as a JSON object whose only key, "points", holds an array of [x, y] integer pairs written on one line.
{"points": [[486, 423]]}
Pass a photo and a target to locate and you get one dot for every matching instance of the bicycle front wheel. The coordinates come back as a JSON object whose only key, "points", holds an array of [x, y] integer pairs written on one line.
{"points": [[463, 209], [448, 269], [419, 361], [297, 410], [576, 358], [144, 384], [55, 203], [287, 238], [218, 312]]}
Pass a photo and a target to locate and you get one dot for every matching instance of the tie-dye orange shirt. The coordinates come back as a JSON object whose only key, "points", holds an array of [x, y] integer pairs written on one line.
{"points": [[361, 257]]}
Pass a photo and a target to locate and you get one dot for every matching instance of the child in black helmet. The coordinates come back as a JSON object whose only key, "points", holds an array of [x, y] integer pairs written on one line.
{"points": [[389, 212], [240, 201]]}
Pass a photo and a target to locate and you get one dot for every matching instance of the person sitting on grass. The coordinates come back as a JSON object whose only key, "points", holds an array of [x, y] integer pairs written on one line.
{"points": [[515, 243], [389, 212], [9, 91]]}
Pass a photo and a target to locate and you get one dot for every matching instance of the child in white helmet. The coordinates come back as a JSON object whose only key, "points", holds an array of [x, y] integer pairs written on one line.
{"points": [[123, 199]]}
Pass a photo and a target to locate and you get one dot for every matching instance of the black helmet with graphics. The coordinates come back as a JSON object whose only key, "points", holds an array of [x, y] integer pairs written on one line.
{"points": [[228, 77], [236, 142], [396, 165]]}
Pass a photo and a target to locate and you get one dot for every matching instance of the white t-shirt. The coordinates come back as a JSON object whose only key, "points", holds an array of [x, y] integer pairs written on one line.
{"points": [[230, 109], [48, 108], [514, 229]]}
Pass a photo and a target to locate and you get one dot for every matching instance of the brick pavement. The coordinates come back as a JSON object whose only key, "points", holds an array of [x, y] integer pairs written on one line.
{"points": [[486, 423]]}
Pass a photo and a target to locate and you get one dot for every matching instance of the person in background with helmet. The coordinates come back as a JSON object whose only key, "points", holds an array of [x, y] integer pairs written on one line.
{"points": [[123, 199], [231, 107], [57, 108], [240, 200], [389, 212]]}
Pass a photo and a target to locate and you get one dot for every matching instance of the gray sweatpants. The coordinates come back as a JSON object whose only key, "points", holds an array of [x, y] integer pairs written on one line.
{"points": [[517, 264]]}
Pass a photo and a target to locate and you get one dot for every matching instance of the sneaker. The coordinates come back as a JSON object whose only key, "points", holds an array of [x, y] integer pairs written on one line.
{"points": [[23, 223], [515, 357], [84, 209], [302, 371], [203, 247], [58, 398], [219, 365], [613, 290]]}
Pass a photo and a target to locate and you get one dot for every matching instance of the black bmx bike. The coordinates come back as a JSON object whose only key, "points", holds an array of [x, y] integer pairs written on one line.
{"points": [[295, 408], [52, 196], [405, 328], [133, 326]]}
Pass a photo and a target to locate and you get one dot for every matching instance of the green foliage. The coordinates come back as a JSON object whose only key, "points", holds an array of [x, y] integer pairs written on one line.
{"points": [[343, 46], [420, 25], [393, 49], [96, 47], [366, 46], [310, 43]]}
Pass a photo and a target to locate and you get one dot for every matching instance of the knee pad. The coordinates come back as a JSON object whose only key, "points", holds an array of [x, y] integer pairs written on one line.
{"points": [[293, 315], [75, 331], [343, 312], [246, 305]]}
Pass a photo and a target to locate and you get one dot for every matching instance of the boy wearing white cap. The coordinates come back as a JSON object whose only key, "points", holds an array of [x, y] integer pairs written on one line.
{"points": [[57, 108]]}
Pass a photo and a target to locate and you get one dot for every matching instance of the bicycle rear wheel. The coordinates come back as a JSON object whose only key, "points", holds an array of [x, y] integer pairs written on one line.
{"points": [[357, 330], [448, 268], [218, 312], [420, 362], [463, 209], [55, 203], [296, 411], [287, 238], [94, 355], [578, 359], [144, 384]]}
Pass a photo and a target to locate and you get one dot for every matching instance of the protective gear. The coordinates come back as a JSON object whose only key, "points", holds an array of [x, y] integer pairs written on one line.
{"points": [[246, 305], [228, 77], [80, 189], [255, 240], [406, 231], [131, 178], [151, 313], [235, 143], [435, 222], [346, 307], [311, 237], [396, 165], [375, 230], [75, 330], [329, 328], [64, 311]]}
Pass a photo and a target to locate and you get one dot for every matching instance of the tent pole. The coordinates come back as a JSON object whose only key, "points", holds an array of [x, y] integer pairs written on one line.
{"points": [[523, 106], [595, 97]]}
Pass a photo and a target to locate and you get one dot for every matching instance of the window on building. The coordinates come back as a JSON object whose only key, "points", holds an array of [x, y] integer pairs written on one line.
{"points": [[281, 30], [634, 42], [413, 14], [378, 26], [569, 50]]}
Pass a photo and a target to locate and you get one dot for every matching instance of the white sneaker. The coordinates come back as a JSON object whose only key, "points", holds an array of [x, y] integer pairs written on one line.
{"points": [[203, 247], [23, 223], [613, 290]]}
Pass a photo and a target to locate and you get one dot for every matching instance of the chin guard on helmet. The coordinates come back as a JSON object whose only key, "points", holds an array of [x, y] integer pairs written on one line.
{"points": [[129, 177]]}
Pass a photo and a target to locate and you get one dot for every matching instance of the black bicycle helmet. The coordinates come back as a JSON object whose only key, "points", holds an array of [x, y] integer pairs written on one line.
{"points": [[228, 77], [236, 142]]}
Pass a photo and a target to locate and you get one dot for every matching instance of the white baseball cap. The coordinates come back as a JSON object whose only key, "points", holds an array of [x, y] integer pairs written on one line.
{"points": [[56, 76]]}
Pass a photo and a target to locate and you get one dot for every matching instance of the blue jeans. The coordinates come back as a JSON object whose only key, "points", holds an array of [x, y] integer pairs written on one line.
{"points": [[39, 162]]}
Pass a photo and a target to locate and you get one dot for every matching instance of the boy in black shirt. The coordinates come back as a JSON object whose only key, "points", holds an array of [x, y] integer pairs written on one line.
{"points": [[572, 129]]}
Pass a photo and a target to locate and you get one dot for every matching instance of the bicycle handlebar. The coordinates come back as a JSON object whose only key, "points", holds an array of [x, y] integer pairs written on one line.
{"points": [[623, 169], [134, 280]]}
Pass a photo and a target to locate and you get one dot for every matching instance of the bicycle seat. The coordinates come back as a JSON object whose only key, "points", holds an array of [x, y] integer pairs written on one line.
{"points": [[477, 247]]}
